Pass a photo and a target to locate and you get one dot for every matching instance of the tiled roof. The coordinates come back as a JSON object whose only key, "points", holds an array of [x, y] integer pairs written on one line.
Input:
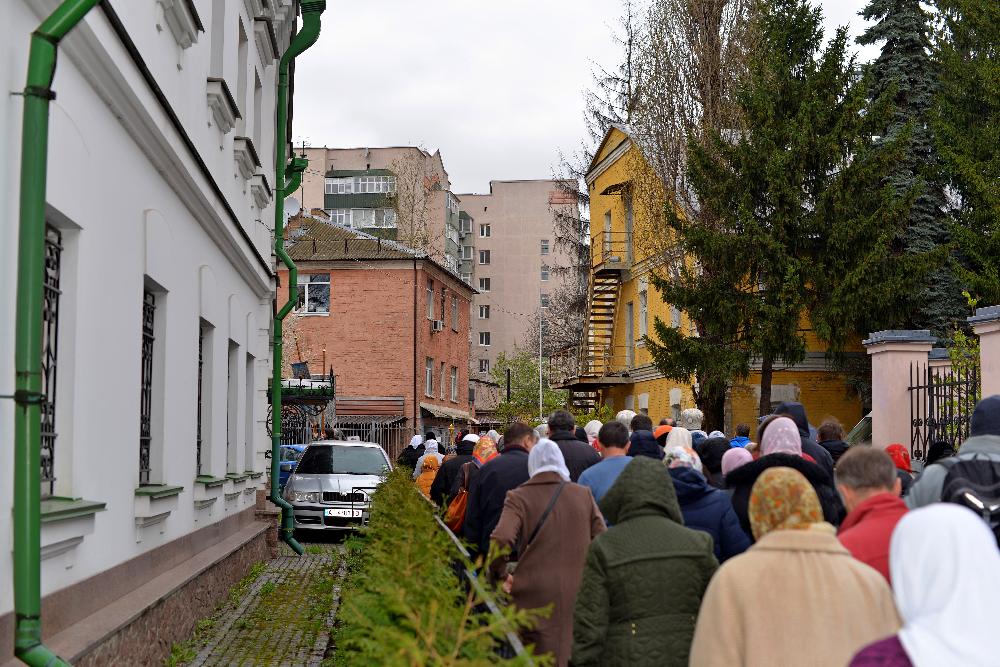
{"points": [[317, 240]]}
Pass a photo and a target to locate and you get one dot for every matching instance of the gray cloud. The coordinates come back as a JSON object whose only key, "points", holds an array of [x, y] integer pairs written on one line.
{"points": [[496, 86]]}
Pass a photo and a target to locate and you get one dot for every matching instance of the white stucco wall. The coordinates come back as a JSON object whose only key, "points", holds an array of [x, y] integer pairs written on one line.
{"points": [[134, 209]]}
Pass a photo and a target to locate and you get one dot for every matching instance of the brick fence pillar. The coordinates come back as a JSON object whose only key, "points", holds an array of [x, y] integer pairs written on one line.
{"points": [[893, 353], [986, 324]]}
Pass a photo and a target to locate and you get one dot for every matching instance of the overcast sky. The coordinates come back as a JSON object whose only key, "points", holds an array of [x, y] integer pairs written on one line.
{"points": [[496, 86]]}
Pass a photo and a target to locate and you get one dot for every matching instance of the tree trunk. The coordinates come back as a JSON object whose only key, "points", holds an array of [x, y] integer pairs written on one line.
{"points": [[766, 376], [713, 406]]}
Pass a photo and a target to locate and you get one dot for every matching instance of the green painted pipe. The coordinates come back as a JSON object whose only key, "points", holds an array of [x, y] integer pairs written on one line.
{"points": [[28, 395], [306, 37]]}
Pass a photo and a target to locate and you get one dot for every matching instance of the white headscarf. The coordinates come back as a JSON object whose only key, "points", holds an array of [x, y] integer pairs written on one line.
{"points": [[946, 578], [546, 457], [679, 437], [625, 418], [717, 434], [471, 437], [542, 430], [494, 436], [431, 447], [592, 428], [415, 441]]}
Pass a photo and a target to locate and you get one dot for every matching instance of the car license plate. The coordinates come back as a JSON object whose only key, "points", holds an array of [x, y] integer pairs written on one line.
{"points": [[350, 514]]}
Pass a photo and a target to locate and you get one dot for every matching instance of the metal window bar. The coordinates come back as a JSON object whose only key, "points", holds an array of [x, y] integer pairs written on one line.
{"points": [[50, 341], [146, 386], [201, 359], [941, 406]]}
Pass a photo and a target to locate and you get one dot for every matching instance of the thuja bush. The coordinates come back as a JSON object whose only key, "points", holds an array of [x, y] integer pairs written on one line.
{"points": [[403, 603]]}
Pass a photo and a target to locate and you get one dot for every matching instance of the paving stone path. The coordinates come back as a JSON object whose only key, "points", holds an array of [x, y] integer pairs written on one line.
{"points": [[282, 617]]}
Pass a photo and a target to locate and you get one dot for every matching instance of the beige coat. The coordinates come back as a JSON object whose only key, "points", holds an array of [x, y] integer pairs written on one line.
{"points": [[550, 570], [796, 598]]}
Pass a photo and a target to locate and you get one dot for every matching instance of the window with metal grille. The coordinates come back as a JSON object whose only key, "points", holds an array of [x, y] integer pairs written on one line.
{"points": [[146, 385], [201, 359], [50, 344]]}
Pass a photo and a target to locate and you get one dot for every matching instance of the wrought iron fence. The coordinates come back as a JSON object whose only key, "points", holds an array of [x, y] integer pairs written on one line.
{"points": [[392, 433], [941, 406]]}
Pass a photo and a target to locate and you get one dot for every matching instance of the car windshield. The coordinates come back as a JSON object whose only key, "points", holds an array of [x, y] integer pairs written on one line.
{"points": [[340, 459], [289, 454]]}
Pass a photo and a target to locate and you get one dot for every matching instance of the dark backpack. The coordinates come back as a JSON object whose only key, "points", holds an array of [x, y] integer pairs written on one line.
{"points": [[974, 483]]}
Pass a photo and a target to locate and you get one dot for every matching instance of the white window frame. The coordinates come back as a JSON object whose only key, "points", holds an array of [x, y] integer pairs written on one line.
{"points": [[484, 339], [546, 273], [484, 312], [484, 365], [468, 252], [441, 384], [454, 313], [643, 314], [341, 216], [430, 299], [429, 377], [545, 247], [484, 231], [543, 300], [304, 282], [484, 285], [484, 257], [454, 384], [340, 186]]}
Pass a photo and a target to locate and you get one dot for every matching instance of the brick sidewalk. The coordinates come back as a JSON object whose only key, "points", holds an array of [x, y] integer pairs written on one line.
{"points": [[281, 615]]}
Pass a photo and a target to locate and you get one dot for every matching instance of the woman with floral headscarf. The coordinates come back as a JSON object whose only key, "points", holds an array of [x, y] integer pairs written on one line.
{"points": [[705, 507], [484, 450], [797, 577], [548, 522], [781, 446]]}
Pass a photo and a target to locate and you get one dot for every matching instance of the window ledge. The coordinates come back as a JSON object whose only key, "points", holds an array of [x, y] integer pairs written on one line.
{"points": [[59, 508], [237, 477], [254, 474], [157, 491], [313, 314], [208, 481]]}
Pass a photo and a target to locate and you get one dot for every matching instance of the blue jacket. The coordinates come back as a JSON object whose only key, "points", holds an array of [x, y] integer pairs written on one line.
{"points": [[739, 441], [709, 509]]}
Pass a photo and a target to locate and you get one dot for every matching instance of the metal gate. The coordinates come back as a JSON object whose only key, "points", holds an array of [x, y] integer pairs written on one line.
{"points": [[941, 405]]}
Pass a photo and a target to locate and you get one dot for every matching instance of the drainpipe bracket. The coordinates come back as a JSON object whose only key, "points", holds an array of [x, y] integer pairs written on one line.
{"points": [[25, 397], [40, 91]]}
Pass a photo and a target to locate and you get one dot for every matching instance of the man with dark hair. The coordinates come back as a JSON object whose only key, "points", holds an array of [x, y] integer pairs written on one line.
{"points": [[830, 437], [667, 421], [579, 455], [612, 440], [742, 438], [641, 423], [867, 482], [489, 487], [642, 441]]}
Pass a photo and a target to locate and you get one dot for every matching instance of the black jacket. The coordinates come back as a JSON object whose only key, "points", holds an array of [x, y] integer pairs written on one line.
{"points": [[487, 492], [835, 447], [409, 456], [448, 474], [643, 443], [797, 412], [579, 455], [742, 479]]}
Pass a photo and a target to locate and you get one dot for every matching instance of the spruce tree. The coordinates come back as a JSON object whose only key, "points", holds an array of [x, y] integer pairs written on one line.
{"points": [[904, 74], [967, 130], [797, 225]]}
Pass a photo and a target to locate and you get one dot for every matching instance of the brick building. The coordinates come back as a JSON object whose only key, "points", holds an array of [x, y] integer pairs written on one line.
{"points": [[392, 322]]}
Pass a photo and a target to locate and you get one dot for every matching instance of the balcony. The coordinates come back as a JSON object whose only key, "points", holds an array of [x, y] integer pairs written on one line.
{"points": [[591, 365], [611, 251]]}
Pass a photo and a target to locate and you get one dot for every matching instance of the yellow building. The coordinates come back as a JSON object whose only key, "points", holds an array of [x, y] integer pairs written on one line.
{"points": [[612, 365]]}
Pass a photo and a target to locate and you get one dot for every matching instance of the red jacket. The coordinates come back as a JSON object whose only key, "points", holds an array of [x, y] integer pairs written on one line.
{"points": [[868, 528]]}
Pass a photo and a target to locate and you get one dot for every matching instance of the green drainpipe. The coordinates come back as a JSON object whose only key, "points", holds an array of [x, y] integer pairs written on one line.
{"points": [[28, 395], [306, 37]]}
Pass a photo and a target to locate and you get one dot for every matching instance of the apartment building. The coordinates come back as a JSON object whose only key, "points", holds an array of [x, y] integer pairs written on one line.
{"points": [[394, 325], [397, 193], [158, 290], [517, 263]]}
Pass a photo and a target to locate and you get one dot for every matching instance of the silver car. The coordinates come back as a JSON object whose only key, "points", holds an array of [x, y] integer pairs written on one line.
{"points": [[332, 484]]}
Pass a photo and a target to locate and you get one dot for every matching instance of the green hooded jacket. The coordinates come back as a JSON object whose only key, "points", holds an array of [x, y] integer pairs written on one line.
{"points": [[644, 578]]}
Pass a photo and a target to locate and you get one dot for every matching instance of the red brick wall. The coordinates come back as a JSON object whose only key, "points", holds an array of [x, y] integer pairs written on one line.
{"points": [[368, 335]]}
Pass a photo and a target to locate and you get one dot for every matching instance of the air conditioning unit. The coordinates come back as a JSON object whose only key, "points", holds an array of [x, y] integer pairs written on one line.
{"points": [[437, 325]]}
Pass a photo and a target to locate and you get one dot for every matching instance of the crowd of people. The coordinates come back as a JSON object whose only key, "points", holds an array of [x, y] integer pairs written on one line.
{"points": [[668, 545]]}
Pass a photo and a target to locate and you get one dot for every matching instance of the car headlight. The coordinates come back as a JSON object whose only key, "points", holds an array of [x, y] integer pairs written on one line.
{"points": [[305, 496]]}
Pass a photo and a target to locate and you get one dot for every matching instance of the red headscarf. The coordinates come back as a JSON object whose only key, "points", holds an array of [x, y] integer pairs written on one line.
{"points": [[899, 456]]}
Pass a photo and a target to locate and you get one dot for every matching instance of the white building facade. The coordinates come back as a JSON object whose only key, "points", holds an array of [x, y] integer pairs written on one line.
{"points": [[159, 291]]}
